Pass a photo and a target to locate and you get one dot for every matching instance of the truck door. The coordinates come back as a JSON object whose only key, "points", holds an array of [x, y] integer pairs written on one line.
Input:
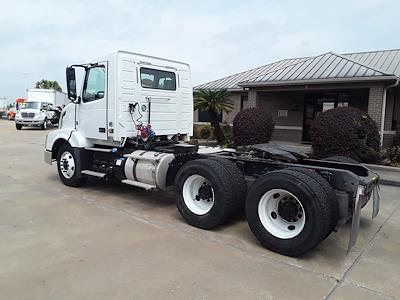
{"points": [[92, 112]]}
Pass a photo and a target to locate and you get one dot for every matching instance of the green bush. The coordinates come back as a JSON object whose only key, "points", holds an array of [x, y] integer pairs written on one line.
{"points": [[203, 131], [392, 156], [206, 132], [228, 132], [252, 126], [345, 131]]}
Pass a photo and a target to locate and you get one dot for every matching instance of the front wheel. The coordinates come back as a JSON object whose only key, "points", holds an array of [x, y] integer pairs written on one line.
{"points": [[288, 212], [44, 125], [66, 166], [18, 126]]}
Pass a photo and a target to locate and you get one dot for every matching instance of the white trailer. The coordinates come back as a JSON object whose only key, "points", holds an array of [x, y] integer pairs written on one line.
{"points": [[53, 97], [130, 121], [3, 103], [43, 106]]}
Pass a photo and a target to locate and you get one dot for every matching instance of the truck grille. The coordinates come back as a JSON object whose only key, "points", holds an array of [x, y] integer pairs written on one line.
{"points": [[27, 115]]}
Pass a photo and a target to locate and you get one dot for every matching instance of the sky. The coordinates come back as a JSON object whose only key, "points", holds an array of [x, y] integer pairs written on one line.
{"points": [[38, 39]]}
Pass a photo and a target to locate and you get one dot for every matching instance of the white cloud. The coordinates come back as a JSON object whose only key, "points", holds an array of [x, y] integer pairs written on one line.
{"points": [[217, 38]]}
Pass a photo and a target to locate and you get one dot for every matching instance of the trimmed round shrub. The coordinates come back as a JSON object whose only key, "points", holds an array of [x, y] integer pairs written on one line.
{"points": [[252, 126], [345, 131]]}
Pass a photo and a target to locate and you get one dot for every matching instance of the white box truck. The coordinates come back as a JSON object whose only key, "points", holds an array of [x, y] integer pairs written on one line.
{"points": [[3, 106], [130, 122], [42, 107]]}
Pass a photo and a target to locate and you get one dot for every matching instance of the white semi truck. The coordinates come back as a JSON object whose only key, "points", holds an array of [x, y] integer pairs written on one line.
{"points": [[131, 121], [43, 106]]}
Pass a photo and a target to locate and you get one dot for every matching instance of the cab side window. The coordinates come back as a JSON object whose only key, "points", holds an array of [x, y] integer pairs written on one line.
{"points": [[157, 79], [94, 84]]}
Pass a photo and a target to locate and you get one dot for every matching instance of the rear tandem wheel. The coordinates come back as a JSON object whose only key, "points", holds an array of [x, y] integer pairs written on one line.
{"points": [[288, 212]]}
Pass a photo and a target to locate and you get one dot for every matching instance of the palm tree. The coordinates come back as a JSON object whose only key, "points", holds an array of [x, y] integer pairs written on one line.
{"points": [[214, 102], [48, 84]]}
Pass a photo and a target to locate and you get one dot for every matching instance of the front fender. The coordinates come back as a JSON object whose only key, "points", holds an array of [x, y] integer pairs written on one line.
{"points": [[55, 135], [73, 137]]}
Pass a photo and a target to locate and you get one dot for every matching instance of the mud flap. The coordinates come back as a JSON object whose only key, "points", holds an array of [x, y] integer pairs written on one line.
{"points": [[376, 197], [355, 220]]}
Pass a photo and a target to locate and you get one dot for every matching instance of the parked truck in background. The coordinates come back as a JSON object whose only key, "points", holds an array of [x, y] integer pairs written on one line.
{"points": [[11, 112], [42, 107], [3, 106], [131, 122]]}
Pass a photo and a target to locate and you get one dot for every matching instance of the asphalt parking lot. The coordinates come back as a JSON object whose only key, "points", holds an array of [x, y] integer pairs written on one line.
{"points": [[111, 241]]}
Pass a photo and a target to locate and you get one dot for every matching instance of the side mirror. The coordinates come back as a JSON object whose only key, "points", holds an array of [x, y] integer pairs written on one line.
{"points": [[71, 84]]}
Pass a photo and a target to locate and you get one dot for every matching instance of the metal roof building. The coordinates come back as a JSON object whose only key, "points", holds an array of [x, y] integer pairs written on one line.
{"points": [[350, 65], [296, 90]]}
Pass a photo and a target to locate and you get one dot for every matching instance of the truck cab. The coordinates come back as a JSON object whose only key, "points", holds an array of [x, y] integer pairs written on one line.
{"points": [[124, 93]]}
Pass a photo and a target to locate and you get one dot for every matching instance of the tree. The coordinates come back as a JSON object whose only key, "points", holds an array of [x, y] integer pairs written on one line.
{"points": [[48, 84], [214, 102]]}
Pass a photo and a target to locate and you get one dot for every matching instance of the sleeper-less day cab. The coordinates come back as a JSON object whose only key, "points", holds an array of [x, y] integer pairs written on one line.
{"points": [[132, 120]]}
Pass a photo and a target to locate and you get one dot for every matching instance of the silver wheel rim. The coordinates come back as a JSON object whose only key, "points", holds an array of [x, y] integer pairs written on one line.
{"points": [[281, 213], [67, 164], [198, 194]]}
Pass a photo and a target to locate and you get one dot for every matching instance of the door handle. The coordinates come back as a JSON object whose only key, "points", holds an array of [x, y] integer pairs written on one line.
{"points": [[102, 130]]}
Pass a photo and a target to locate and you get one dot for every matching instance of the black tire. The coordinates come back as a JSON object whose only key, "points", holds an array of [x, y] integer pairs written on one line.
{"points": [[333, 203], [75, 180], [44, 125], [224, 195], [238, 181], [18, 126], [313, 200], [342, 159]]}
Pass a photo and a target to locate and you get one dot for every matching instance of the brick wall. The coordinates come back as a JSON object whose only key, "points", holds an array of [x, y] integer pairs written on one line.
{"points": [[252, 102], [375, 102]]}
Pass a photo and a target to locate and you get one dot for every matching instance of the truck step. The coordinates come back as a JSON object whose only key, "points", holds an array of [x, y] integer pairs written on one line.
{"points": [[98, 149], [139, 184], [93, 173]]}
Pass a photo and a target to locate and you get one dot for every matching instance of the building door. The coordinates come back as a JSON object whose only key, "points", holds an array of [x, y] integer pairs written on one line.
{"points": [[317, 103], [314, 105]]}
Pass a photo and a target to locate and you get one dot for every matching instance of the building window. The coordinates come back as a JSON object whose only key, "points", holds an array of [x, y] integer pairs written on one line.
{"points": [[205, 117], [243, 99]]}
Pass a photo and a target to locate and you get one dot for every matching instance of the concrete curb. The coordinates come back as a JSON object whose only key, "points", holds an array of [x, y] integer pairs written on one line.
{"points": [[382, 168], [386, 174], [389, 182]]}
